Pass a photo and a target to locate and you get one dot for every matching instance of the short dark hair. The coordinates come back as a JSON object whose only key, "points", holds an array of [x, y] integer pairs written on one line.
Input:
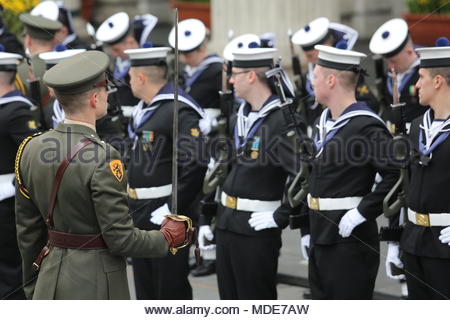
{"points": [[261, 74], [443, 72], [7, 78], [155, 73], [73, 103], [348, 79]]}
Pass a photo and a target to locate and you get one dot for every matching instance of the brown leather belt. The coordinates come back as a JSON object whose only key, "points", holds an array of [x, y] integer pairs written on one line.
{"points": [[76, 241], [62, 239]]}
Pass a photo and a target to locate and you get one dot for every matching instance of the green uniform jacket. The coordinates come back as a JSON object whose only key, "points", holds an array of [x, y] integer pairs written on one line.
{"points": [[92, 199], [38, 68]]}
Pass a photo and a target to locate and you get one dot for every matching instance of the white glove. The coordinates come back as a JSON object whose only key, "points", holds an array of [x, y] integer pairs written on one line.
{"points": [[445, 236], [211, 163], [304, 246], [349, 221], [204, 232], [7, 190], [157, 216], [262, 220], [393, 257], [205, 124]]}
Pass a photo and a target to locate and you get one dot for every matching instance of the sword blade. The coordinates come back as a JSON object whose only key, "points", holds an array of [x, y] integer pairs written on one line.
{"points": [[175, 125]]}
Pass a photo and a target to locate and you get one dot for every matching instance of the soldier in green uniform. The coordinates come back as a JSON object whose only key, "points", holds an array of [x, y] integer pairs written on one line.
{"points": [[53, 111], [56, 11], [74, 224], [39, 37]]}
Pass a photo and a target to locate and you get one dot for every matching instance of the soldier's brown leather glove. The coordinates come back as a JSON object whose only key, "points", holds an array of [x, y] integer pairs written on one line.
{"points": [[178, 231]]}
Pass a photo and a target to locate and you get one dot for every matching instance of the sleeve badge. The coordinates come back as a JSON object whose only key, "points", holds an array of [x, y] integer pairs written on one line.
{"points": [[117, 169], [363, 90]]}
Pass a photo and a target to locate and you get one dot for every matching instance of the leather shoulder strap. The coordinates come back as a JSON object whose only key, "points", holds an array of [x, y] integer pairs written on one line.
{"points": [[58, 177]]}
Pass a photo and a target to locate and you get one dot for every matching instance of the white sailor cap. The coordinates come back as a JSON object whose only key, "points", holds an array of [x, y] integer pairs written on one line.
{"points": [[390, 38], [8, 61], [240, 42], [142, 26], [114, 29], [316, 32], [147, 55], [60, 53], [46, 9], [191, 34], [339, 58], [253, 57], [268, 40], [435, 57]]}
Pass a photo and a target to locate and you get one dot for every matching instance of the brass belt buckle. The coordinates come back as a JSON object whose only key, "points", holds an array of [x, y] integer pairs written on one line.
{"points": [[314, 203], [423, 219], [132, 193], [231, 202]]}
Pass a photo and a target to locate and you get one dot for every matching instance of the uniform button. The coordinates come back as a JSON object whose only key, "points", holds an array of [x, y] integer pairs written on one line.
{"points": [[92, 135]]}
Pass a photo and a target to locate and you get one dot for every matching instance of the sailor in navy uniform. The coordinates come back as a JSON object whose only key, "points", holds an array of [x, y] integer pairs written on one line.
{"points": [[202, 72], [206, 216], [352, 145], [54, 112], [252, 211], [322, 31], [239, 42], [393, 42], [16, 123], [56, 11], [250, 40], [425, 238], [39, 37], [202, 80], [9, 40], [150, 167], [120, 33]]}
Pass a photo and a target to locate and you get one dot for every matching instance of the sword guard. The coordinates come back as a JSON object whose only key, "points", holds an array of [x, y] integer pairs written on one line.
{"points": [[189, 232]]}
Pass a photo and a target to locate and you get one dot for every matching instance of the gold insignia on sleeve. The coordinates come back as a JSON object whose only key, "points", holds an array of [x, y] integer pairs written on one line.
{"points": [[32, 124], [195, 132], [117, 169], [23, 190], [363, 90]]}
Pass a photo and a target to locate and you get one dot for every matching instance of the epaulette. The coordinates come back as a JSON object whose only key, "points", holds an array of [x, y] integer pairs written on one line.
{"points": [[23, 190], [95, 140]]}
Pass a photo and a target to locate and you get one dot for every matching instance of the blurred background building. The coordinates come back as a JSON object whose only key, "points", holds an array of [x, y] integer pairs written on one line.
{"points": [[225, 17]]}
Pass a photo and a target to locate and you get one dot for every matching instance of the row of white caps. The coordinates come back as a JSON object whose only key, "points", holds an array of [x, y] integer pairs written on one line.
{"points": [[331, 57]]}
